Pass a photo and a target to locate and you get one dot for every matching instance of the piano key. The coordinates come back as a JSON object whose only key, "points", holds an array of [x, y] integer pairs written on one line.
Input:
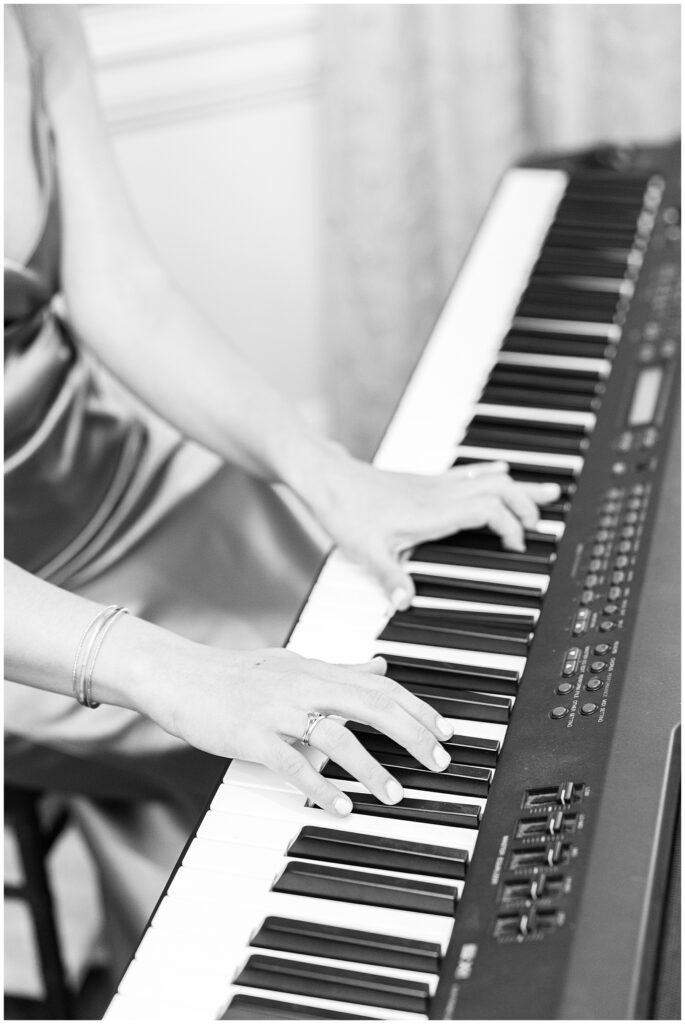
{"points": [[433, 586], [557, 344], [553, 442], [478, 706], [501, 612], [147, 1006], [582, 421], [494, 577], [231, 800], [325, 982], [320, 960], [466, 660], [550, 378], [609, 332], [347, 944], [462, 749], [348, 1010], [185, 915], [246, 1007], [452, 678], [465, 780], [569, 465], [487, 553], [561, 401], [478, 612], [535, 474], [443, 812], [379, 853], [597, 367], [411, 627], [329, 881]]}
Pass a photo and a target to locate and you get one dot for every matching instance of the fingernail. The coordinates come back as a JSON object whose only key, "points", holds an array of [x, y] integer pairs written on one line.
{"points": [[442, 758], [342, 806], [394, 791], [444, 727], [400, 599]]}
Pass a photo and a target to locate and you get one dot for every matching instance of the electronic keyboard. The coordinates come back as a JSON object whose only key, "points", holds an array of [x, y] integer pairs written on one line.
{"points": [[528, 879]]}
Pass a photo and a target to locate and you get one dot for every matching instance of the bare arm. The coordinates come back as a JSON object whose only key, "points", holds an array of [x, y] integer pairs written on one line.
{"points": [[248, 704]]}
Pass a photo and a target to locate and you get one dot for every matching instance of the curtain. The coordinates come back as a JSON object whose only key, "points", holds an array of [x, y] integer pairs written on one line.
{"points": [[424, 107]]}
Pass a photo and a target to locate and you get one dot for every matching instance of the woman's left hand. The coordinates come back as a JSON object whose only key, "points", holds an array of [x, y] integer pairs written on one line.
{"points": [[375, 516]]}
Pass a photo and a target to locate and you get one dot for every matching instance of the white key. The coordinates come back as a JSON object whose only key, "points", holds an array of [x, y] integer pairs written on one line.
{"points": [[148, 1006], [612, 332], [350, 965], [477, 659], [582, 364], [209, 997], [231, 800], [551, 526], [546, 460], [536, 580], [537, 415], [449, 605], [251, 906]]}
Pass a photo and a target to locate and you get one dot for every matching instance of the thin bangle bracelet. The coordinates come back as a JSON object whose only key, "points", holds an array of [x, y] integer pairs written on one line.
{"points": [[75, 676], [102, 633]]}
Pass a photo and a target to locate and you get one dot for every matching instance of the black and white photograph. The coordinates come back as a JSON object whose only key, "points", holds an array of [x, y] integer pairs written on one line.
{"points": [[342, 511]]}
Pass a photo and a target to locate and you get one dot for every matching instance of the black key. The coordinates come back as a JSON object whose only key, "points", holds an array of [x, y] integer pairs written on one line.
{"points": [[378, 852], [431, 811], [528, 396], [444, 553], [547, 439], [456, 779], [441, 675], [334, 983], [504, 423], [245, 1007], [331, 882], [540, 344], [428, 585], [312, 939], [475, 706], [406, 630], [545, 380], [462, 749]]}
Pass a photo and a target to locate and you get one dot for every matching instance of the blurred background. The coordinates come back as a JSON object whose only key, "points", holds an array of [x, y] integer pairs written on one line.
{"points": [[313, 174]]}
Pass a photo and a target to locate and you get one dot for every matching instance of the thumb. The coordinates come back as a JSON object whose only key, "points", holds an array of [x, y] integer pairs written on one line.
{"points": [[396, 583]]}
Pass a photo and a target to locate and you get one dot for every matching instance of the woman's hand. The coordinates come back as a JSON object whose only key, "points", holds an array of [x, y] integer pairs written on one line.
{"points": [[254, 705], [375, 516]]}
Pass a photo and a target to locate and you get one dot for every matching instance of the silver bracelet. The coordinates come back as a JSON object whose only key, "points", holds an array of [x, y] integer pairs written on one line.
{"points": [[76, 676], [91, 641], [102, 633]]}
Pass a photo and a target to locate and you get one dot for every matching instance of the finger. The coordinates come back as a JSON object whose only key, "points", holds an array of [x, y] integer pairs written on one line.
{"points": [[376, 666], [417, 708], [521, 504], [338, 743], [498, 517], [342, 698], [543, 494], [396, 582], [381, 707], [289, 763]]}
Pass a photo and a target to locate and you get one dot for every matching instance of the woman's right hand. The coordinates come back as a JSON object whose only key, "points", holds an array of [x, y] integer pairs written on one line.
{"points": [[254, 705]]}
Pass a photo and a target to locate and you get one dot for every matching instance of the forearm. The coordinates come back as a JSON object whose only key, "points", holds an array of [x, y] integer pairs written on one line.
{"points": [[173, 356], [44, 626]]}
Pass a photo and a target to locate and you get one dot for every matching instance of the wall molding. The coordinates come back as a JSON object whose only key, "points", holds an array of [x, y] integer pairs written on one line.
{"points": [[160, 64]]}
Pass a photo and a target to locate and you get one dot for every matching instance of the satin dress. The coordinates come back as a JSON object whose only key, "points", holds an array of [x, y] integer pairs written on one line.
{"points": [[105, 499]]}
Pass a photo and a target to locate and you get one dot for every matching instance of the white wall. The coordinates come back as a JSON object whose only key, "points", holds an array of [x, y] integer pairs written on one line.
{"points": [[214, 116]]}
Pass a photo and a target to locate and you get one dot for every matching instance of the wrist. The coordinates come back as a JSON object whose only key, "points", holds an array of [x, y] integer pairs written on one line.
{"points": [[316, 470]]}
